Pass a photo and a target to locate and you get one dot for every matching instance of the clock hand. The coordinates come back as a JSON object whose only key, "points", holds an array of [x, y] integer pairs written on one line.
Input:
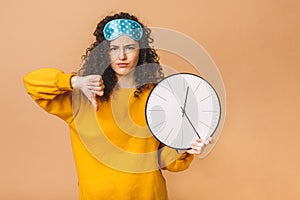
{"points": [[184, 113], [186, 95]]}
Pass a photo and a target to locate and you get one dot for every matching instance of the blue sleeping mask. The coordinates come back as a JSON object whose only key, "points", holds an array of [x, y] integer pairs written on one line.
{"points": [[119, 27]]}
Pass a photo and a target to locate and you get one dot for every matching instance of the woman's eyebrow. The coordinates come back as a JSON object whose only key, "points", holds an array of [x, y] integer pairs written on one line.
{"points": [[130, 44]]}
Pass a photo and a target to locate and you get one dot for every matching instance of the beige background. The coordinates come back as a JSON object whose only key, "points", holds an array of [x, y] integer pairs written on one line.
{"points": [[256, 47]]}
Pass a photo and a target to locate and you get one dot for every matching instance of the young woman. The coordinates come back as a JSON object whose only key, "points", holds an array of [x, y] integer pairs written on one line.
{"points": [[119, 70]]}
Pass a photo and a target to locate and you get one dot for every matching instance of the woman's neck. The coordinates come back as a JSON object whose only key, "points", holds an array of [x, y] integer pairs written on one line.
{"points": [[126, 81]]}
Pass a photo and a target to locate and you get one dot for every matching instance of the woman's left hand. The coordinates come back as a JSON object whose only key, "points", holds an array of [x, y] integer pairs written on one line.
{"points": [[198, 146]]}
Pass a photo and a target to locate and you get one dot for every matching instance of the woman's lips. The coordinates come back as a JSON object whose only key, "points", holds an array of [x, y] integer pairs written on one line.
{"points": [[122, 64]]}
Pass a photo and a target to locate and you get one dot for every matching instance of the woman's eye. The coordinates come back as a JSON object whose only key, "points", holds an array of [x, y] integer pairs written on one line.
{"points": [[131, 48], [113, 48]]}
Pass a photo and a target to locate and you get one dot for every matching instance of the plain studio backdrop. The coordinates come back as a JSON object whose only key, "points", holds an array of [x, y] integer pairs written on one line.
{"points": [[255, 45]]}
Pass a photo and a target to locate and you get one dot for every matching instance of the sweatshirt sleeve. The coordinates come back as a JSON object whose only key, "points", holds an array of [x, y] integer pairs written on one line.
{"points": [[51, 89], [170, 160]]}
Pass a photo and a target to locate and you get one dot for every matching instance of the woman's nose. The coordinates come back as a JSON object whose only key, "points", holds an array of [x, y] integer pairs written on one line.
{"points": [[122, 55]]}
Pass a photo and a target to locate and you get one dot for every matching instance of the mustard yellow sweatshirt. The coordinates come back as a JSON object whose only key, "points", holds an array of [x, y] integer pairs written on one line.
{"points": [[115, 154]]}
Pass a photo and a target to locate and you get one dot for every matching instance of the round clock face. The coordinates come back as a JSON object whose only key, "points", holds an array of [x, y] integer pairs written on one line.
{"points": [[182, 108]]}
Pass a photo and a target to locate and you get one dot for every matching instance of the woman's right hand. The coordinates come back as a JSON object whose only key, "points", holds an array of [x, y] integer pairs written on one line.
{"points": [[90, 85]]}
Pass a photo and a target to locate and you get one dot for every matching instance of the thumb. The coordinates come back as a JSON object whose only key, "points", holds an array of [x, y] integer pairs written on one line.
{"points": [[94, 102]]}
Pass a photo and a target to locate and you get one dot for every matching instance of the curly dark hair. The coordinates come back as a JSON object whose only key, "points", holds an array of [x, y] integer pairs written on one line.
{"points": [[96, 60]]}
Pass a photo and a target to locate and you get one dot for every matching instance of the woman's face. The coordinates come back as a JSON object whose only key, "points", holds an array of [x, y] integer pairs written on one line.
{"points": [[124, 55]]}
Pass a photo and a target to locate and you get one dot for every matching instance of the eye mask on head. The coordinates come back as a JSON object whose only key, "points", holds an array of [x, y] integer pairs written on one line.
{"points": [[119, 27]]}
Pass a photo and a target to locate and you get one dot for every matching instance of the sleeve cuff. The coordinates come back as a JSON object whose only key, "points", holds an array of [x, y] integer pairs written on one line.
{"points": [[183, 156], [63, 81]]}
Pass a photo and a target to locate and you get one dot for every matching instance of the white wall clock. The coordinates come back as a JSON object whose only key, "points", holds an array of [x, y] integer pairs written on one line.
{"points": [[181, 108]]}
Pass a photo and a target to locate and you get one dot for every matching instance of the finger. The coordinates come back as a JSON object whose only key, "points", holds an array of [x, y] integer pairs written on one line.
{"points": [[96, 84], [199, 140], [98, 89], [206, 142], [197, 144], [197, 148], [95, 88], [99, 93], [97, 78], [193, 151]]}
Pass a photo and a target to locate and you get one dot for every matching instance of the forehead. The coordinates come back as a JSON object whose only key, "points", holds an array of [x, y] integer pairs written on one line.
{"points": [[123, 40]]}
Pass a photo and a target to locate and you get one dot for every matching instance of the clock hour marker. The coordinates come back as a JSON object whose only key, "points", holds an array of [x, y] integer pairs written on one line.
{"points": [[170, 87], [200, 83], [158, 124], [160, 96], [210, 111], [206, 97], [204, 124], [166, 87], [156, 110], [169, 133]]}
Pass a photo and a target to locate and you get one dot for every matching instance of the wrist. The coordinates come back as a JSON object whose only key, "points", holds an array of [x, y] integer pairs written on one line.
{"points": [[73, 82]]}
